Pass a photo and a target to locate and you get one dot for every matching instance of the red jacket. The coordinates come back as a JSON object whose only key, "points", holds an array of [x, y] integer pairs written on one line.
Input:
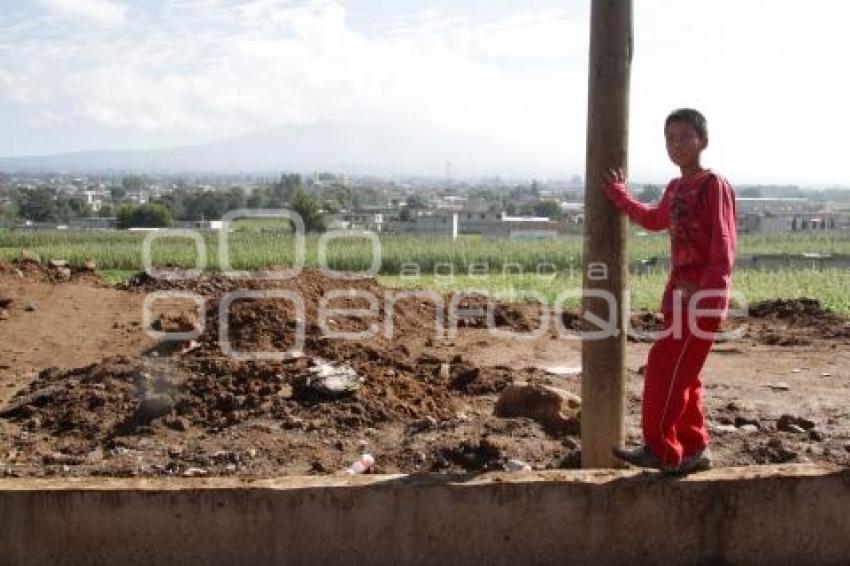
{"points": [[699, 213]]}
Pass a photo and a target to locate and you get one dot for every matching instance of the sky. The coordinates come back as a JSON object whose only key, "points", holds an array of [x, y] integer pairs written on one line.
{"points": [[113, 74]]}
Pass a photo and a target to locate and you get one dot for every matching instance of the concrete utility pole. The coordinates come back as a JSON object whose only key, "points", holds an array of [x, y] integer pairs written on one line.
{"points": [[605, 258]]}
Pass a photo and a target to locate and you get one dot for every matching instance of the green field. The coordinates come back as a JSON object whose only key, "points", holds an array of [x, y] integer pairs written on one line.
{"points": [[255, 249], [830, 286], [509, 264]]}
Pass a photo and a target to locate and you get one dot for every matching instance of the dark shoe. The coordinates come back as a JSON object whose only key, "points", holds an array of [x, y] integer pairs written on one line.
{"points": [[698, 462], [641, 457]]}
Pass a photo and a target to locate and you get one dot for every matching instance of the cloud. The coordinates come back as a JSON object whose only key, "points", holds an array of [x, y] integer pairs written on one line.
{"points": [[102, 12], [206, 69], [225, 68]]}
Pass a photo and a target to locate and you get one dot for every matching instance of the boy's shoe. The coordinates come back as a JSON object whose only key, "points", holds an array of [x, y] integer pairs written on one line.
{"points": [[698, 462], [641, 457]]}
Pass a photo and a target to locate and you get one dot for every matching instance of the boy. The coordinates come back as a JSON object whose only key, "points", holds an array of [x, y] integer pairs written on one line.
{"points": [[698, 209]]}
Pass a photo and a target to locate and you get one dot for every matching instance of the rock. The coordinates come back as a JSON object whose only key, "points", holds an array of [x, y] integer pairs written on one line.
{"points": [[154, 406], [4, 314], [743, 421], [334, 380], [748, 428], [5, 302], [18, 273], [790, 423], [779, 387], [89, 264], [56, 263], [444, 371], [724, 428], [180, 424], [556, 409], [30, 307], [182, 322], [514, 465]]}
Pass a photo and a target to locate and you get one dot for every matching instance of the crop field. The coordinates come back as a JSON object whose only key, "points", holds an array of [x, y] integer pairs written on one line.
{"points": [[542, 268], [258, 249], [830, 287]]}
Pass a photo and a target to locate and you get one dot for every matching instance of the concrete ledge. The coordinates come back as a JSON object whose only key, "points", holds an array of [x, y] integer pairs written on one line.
{"points": [[758, 515]]}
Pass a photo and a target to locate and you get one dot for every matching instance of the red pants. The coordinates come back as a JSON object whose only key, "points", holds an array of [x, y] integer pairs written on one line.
{"points": [[673, 419]]}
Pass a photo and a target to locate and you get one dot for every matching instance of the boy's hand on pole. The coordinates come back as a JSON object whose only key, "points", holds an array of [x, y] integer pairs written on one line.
{"points": [[614, 176], [615, 187]]}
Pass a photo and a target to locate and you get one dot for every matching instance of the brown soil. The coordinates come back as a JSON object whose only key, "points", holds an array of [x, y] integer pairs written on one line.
{"points": [[87, 392]]}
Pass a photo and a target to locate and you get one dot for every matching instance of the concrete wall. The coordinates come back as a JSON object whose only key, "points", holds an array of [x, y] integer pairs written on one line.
{"points": [[762, 515]]}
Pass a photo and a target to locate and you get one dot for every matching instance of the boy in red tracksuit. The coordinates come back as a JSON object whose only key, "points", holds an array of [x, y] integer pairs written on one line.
{"points": [[698, 210]]}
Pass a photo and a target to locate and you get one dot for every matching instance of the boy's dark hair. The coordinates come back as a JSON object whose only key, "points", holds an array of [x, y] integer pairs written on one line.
{"points": [[689, 116]]}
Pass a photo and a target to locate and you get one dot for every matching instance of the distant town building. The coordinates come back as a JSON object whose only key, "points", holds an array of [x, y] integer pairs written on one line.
{"points": [[440, 225]]}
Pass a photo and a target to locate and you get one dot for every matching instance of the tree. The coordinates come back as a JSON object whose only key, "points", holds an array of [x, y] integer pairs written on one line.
{"points": [[283, 191], [256, 200], [117, 193], [307, 207], [416, 202], [8, 210], [549, 209], [133, 183], [650, 194], [236, 198], [144, 216], [39, 205]]}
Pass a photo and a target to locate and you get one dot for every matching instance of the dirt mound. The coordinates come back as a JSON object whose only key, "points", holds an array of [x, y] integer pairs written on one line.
{"points": [[203, 391], [798, 311], [406, 391], [791, 322], [30, 267]]}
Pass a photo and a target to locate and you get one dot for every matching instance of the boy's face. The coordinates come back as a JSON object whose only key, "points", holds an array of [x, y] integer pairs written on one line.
{"points": [[683, 143]]}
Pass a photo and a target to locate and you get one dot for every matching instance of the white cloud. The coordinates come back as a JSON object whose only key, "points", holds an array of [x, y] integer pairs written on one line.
{"points": [[228, 69], [195, 68], [103, 12]]}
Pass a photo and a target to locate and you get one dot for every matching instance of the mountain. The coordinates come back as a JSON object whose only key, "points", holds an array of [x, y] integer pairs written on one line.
{"points": [[352, 148]]}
